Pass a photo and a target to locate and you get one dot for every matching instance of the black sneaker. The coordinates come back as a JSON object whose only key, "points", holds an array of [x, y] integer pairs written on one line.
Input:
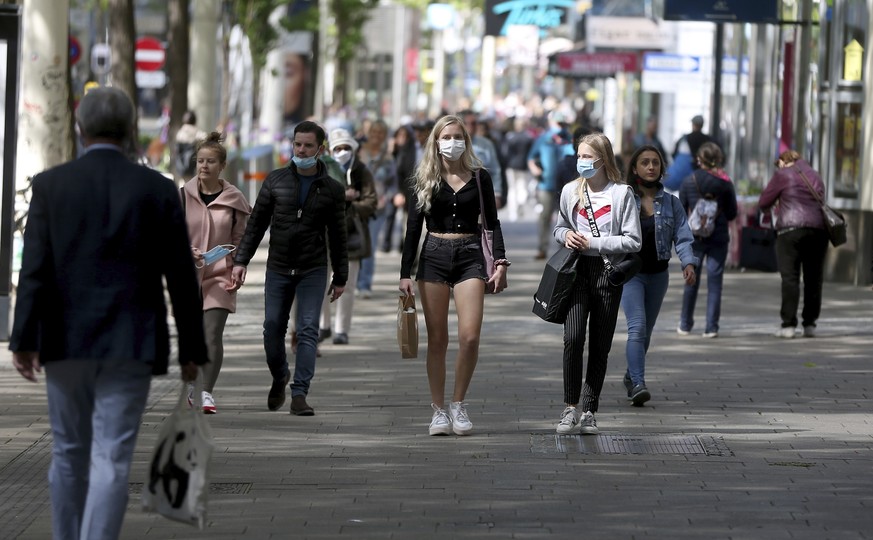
{"points": [[639, 395], [276, 397], [299, 407], [628, 384], [323, 334], [341, 339]]}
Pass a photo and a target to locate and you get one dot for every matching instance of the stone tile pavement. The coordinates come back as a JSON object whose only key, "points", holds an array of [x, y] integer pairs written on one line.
{"points": [[784, 426]]}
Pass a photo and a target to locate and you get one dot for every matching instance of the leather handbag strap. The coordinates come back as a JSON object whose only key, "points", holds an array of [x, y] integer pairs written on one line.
{"points": [[809, 187], [481, 201]]}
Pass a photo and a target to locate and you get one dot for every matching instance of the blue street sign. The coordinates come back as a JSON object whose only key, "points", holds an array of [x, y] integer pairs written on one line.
{"points": [[673, 63]]}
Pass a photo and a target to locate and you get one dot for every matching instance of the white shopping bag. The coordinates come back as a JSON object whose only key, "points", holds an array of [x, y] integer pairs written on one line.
{"points": [[178, 481]]}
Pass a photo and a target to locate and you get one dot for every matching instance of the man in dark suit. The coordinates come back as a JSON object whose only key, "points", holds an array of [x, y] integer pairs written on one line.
{"points": [[101, 235]]}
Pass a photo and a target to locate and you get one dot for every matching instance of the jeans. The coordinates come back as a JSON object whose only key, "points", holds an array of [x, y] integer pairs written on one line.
{"points": [[368, 265], [95, 410], [279, 293], [546, 199], [716, 255], [641, 301], [801, 250]]}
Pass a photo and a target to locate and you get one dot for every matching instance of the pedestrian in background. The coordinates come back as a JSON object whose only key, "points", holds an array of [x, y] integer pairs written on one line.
{"points": [[594, 301], [801, 241], [216, 213], [663, 225], [90, 308], [447, 200], [516, 146], [301, 205], [404, 153], [375, 156], [710, 181], [485, 151], [360, 195], [650, 137], [543, 160]]}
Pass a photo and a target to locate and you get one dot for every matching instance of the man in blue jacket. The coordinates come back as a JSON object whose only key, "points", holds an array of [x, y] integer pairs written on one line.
{"points": [[102, 235], [543, 159]]}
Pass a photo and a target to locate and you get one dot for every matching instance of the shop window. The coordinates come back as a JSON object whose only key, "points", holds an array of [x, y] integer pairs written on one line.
{"points": [[847, 158]]}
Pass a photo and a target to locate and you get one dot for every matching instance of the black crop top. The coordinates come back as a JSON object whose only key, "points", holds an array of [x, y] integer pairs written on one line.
{"points": [[452, 212]]}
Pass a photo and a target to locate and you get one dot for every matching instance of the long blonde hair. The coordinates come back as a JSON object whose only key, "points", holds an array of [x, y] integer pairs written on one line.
{"points": [[601, 145], [429, 172]]}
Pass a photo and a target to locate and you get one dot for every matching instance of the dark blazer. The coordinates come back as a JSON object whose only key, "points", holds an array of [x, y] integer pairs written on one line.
{"points": [[102, 233]]}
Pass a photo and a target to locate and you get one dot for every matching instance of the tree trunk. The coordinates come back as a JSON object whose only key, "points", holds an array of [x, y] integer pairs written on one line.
{"points": [[122, 38], [178, 55]]}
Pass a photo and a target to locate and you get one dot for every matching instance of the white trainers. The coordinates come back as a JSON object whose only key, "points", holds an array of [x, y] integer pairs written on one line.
{"points": [[440, 423], [683, 332], [710, 335], [786, 332], [569, 419], [461, 424], [809, 331], [587, 424], [208, 403]]}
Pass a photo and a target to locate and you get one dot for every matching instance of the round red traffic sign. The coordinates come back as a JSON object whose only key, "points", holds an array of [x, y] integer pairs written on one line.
{"points": [[75, 50], [149, 55]]}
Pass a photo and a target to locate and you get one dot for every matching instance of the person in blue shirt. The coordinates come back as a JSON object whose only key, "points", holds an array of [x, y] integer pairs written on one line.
{"points": [[543, 159]]}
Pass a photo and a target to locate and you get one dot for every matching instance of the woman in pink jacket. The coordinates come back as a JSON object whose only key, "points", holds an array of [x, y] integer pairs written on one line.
{"points": [[216, 213]]}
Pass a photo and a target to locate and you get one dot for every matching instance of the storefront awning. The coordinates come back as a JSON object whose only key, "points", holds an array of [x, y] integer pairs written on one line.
{"points": [[580, 64]]}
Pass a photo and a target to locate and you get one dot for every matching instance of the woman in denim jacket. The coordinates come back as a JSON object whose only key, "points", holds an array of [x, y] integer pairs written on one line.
{"points": [[663, 223]]}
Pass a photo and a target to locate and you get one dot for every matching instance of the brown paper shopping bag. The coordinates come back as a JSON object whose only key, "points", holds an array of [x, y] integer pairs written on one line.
{"points": [[407, 327]]}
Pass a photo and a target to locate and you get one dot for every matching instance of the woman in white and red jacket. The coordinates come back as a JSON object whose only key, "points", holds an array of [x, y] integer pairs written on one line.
{"points": [[216, 213]]}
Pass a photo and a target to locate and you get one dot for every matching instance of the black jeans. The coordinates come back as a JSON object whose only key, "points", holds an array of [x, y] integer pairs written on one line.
{"points": [[802, 249]]}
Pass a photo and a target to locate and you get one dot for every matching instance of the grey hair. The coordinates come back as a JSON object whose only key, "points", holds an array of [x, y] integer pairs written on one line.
{"points": [[105, 113]]}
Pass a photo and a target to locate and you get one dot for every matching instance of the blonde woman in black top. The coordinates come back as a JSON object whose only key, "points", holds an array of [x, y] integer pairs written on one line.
{"points": [[446, 197]]}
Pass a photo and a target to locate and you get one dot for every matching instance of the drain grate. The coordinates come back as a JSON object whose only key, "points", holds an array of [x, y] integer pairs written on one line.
{"points": [[630, 444], [217, 488]]}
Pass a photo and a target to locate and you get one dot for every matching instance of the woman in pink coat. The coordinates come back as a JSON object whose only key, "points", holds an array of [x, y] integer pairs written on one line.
{"points": [[216, 213]]}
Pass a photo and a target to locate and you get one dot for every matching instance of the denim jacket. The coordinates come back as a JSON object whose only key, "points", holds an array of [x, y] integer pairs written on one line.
{"points": [[671, 227]]}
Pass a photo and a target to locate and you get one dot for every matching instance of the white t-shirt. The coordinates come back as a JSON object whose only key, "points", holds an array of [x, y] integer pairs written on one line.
{"points": [[601, 203]]}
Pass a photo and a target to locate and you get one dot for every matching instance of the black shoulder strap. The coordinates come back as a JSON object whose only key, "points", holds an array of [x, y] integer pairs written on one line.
{"points": [[182, 192]]}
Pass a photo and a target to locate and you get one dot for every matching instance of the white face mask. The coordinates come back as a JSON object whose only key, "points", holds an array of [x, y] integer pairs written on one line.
{"points": [[343, 156], [452, 149]]}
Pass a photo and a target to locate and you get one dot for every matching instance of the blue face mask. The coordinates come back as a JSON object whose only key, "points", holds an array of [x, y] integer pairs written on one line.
{"points": [[585, 167], [305, 162], [216, 254]]}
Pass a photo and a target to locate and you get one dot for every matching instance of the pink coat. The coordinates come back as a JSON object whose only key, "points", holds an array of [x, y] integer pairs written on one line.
{"points": [[209, 226]]}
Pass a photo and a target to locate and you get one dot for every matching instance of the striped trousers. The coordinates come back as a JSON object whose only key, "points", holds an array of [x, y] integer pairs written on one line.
{"points": [[595, 303]]}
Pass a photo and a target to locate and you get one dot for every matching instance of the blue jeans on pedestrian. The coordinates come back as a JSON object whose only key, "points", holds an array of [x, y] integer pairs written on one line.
{"points": [[279, 293], [368, 265], [715, 255], [641, 301]]}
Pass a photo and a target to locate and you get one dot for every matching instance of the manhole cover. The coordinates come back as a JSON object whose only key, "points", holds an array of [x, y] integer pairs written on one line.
{"points": [[630, 444], [227, 488]]}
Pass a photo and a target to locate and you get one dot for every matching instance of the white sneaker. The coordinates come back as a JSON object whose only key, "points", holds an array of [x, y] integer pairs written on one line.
{"points": [[587, 424], [786, 332], [683, 332], [569, 419], [809, 331], [461, 424], [208, 403], [440, 424], [710, 335]]}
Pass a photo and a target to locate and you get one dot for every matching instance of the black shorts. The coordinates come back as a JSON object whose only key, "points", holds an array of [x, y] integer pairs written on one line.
{"points": [[451, 261]]}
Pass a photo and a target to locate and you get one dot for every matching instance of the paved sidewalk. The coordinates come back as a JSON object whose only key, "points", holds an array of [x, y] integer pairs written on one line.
{"points": [[747, 436]]}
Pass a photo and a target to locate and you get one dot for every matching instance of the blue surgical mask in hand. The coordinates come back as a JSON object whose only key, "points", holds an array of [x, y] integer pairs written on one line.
{"points": [[216, 254], [585, 167]]}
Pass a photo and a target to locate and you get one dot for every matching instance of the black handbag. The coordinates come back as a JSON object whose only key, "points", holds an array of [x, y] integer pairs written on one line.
{"points": [[758, 249], [552, 299], [834, 221], [630, 264]]}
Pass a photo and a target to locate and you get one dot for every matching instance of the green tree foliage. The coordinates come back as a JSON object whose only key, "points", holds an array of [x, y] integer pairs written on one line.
{"points": [[253, 18]]}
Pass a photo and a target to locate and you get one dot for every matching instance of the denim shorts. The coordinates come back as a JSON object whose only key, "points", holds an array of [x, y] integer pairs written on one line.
{"points": [[451, 261]]}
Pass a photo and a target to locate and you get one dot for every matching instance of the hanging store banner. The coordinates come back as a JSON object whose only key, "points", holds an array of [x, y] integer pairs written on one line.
{"points": [[627, 33], [545, 14], [730, 11], [581, 65]]}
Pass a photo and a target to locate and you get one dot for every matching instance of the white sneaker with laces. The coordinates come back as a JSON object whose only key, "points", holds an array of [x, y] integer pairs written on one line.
{"points": [[208, 403], [587, 424], [461, 424], [786, 332], [440, 424], [569, 419]]}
